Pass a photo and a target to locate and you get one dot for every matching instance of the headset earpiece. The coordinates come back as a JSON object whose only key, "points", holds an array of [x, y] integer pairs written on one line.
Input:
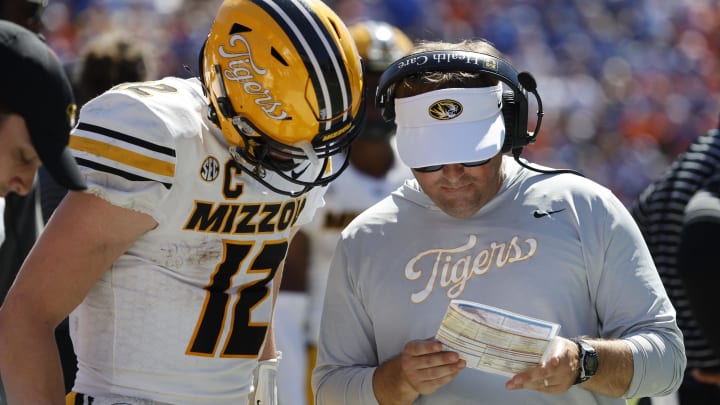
{"points": [[515, 101], [515, 116], [388, 109], [510, 117]]}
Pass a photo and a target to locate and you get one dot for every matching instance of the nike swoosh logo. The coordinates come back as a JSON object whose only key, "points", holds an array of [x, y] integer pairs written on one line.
{"points": [[540, 214], [295, 174]]}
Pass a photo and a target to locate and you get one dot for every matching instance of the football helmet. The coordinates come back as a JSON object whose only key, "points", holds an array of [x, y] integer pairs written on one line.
{"points": [[379, 43], [285, 85]]}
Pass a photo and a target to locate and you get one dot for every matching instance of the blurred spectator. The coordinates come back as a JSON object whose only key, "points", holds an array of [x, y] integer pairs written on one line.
{"points": [[110, 59], [171, 31]]}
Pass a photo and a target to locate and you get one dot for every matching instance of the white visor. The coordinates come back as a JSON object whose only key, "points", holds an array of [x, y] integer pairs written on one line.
{"points": [[455, 125]]}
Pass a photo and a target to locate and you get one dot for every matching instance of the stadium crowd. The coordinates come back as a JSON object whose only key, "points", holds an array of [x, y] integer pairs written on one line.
{"points": [[625, 84]]}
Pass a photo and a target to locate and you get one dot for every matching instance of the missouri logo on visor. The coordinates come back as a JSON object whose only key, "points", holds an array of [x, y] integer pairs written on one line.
{"points": [[445, 109]]}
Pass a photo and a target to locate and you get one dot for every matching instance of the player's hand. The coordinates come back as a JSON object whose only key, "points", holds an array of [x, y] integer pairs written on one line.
{"points": [[426, 367], [556, 375], [705, 377]]}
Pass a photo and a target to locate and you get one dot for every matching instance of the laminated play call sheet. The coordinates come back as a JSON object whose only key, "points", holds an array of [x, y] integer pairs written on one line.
{"points": [[495, 340]]}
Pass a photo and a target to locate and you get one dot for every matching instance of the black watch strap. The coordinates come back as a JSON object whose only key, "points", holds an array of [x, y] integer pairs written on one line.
{"points": [[588, 361]]}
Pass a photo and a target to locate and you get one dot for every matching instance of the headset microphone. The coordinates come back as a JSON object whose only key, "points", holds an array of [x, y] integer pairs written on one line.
{"points": [[530, 85], [528, 81]]}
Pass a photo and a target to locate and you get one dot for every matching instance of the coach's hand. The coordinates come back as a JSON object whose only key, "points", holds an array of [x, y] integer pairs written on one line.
{"points": [[556, 375], [420, 369]]}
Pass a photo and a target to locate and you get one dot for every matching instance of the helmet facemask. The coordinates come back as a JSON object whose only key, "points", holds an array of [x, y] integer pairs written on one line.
{"points": [[260, 152]]}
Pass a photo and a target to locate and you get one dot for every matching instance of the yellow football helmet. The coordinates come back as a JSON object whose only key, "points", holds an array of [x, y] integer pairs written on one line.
{"points": [[379, 43], [285, 85]]}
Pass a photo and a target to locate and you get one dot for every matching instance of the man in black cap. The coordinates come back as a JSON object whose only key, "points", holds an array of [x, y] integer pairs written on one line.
{"points": [[36, 113], [26, 96], [37, 110], [34, 106], [21, 223]]}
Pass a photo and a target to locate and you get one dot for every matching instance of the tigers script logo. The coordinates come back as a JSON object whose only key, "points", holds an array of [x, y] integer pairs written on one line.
{"points": [[453, 267], [242, 69]]}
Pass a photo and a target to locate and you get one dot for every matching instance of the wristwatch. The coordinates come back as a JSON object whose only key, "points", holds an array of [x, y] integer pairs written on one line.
{"points": [[588, 360]]}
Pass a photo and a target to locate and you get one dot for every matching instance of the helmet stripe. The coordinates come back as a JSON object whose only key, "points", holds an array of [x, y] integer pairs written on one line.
{"points": [[323, 63], [342, 81]]}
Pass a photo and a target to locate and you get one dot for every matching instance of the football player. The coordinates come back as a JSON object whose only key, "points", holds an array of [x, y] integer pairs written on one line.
{"points": [[170, 262]]}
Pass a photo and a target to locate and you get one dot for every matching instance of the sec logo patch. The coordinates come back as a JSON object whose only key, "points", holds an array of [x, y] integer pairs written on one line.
{"points": [[210, 169]]}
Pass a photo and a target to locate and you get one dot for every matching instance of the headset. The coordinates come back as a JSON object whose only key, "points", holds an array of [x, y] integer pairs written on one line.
{"points": [[515, 101]]}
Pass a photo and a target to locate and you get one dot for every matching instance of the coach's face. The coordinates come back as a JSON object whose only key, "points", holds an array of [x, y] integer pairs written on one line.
{"points": [[461, 191], [18, 159], [452, 137]]}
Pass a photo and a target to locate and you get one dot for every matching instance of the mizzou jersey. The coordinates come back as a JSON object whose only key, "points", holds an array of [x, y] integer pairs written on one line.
{"points": [[182, 315]]}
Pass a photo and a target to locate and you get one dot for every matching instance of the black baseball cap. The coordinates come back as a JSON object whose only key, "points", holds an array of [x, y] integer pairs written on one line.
{"points": [[34, 85]]}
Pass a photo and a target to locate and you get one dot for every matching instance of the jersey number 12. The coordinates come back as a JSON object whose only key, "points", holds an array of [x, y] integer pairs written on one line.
{"points": [[245, 337]]}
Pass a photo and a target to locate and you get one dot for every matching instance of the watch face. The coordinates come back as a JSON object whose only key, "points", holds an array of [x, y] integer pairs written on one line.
{"points": [[591, 364], [589, 361]]}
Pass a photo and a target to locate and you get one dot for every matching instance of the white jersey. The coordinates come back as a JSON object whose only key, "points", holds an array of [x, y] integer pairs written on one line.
{"points": [[555, 247], [347, 196], [180, 317]]}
